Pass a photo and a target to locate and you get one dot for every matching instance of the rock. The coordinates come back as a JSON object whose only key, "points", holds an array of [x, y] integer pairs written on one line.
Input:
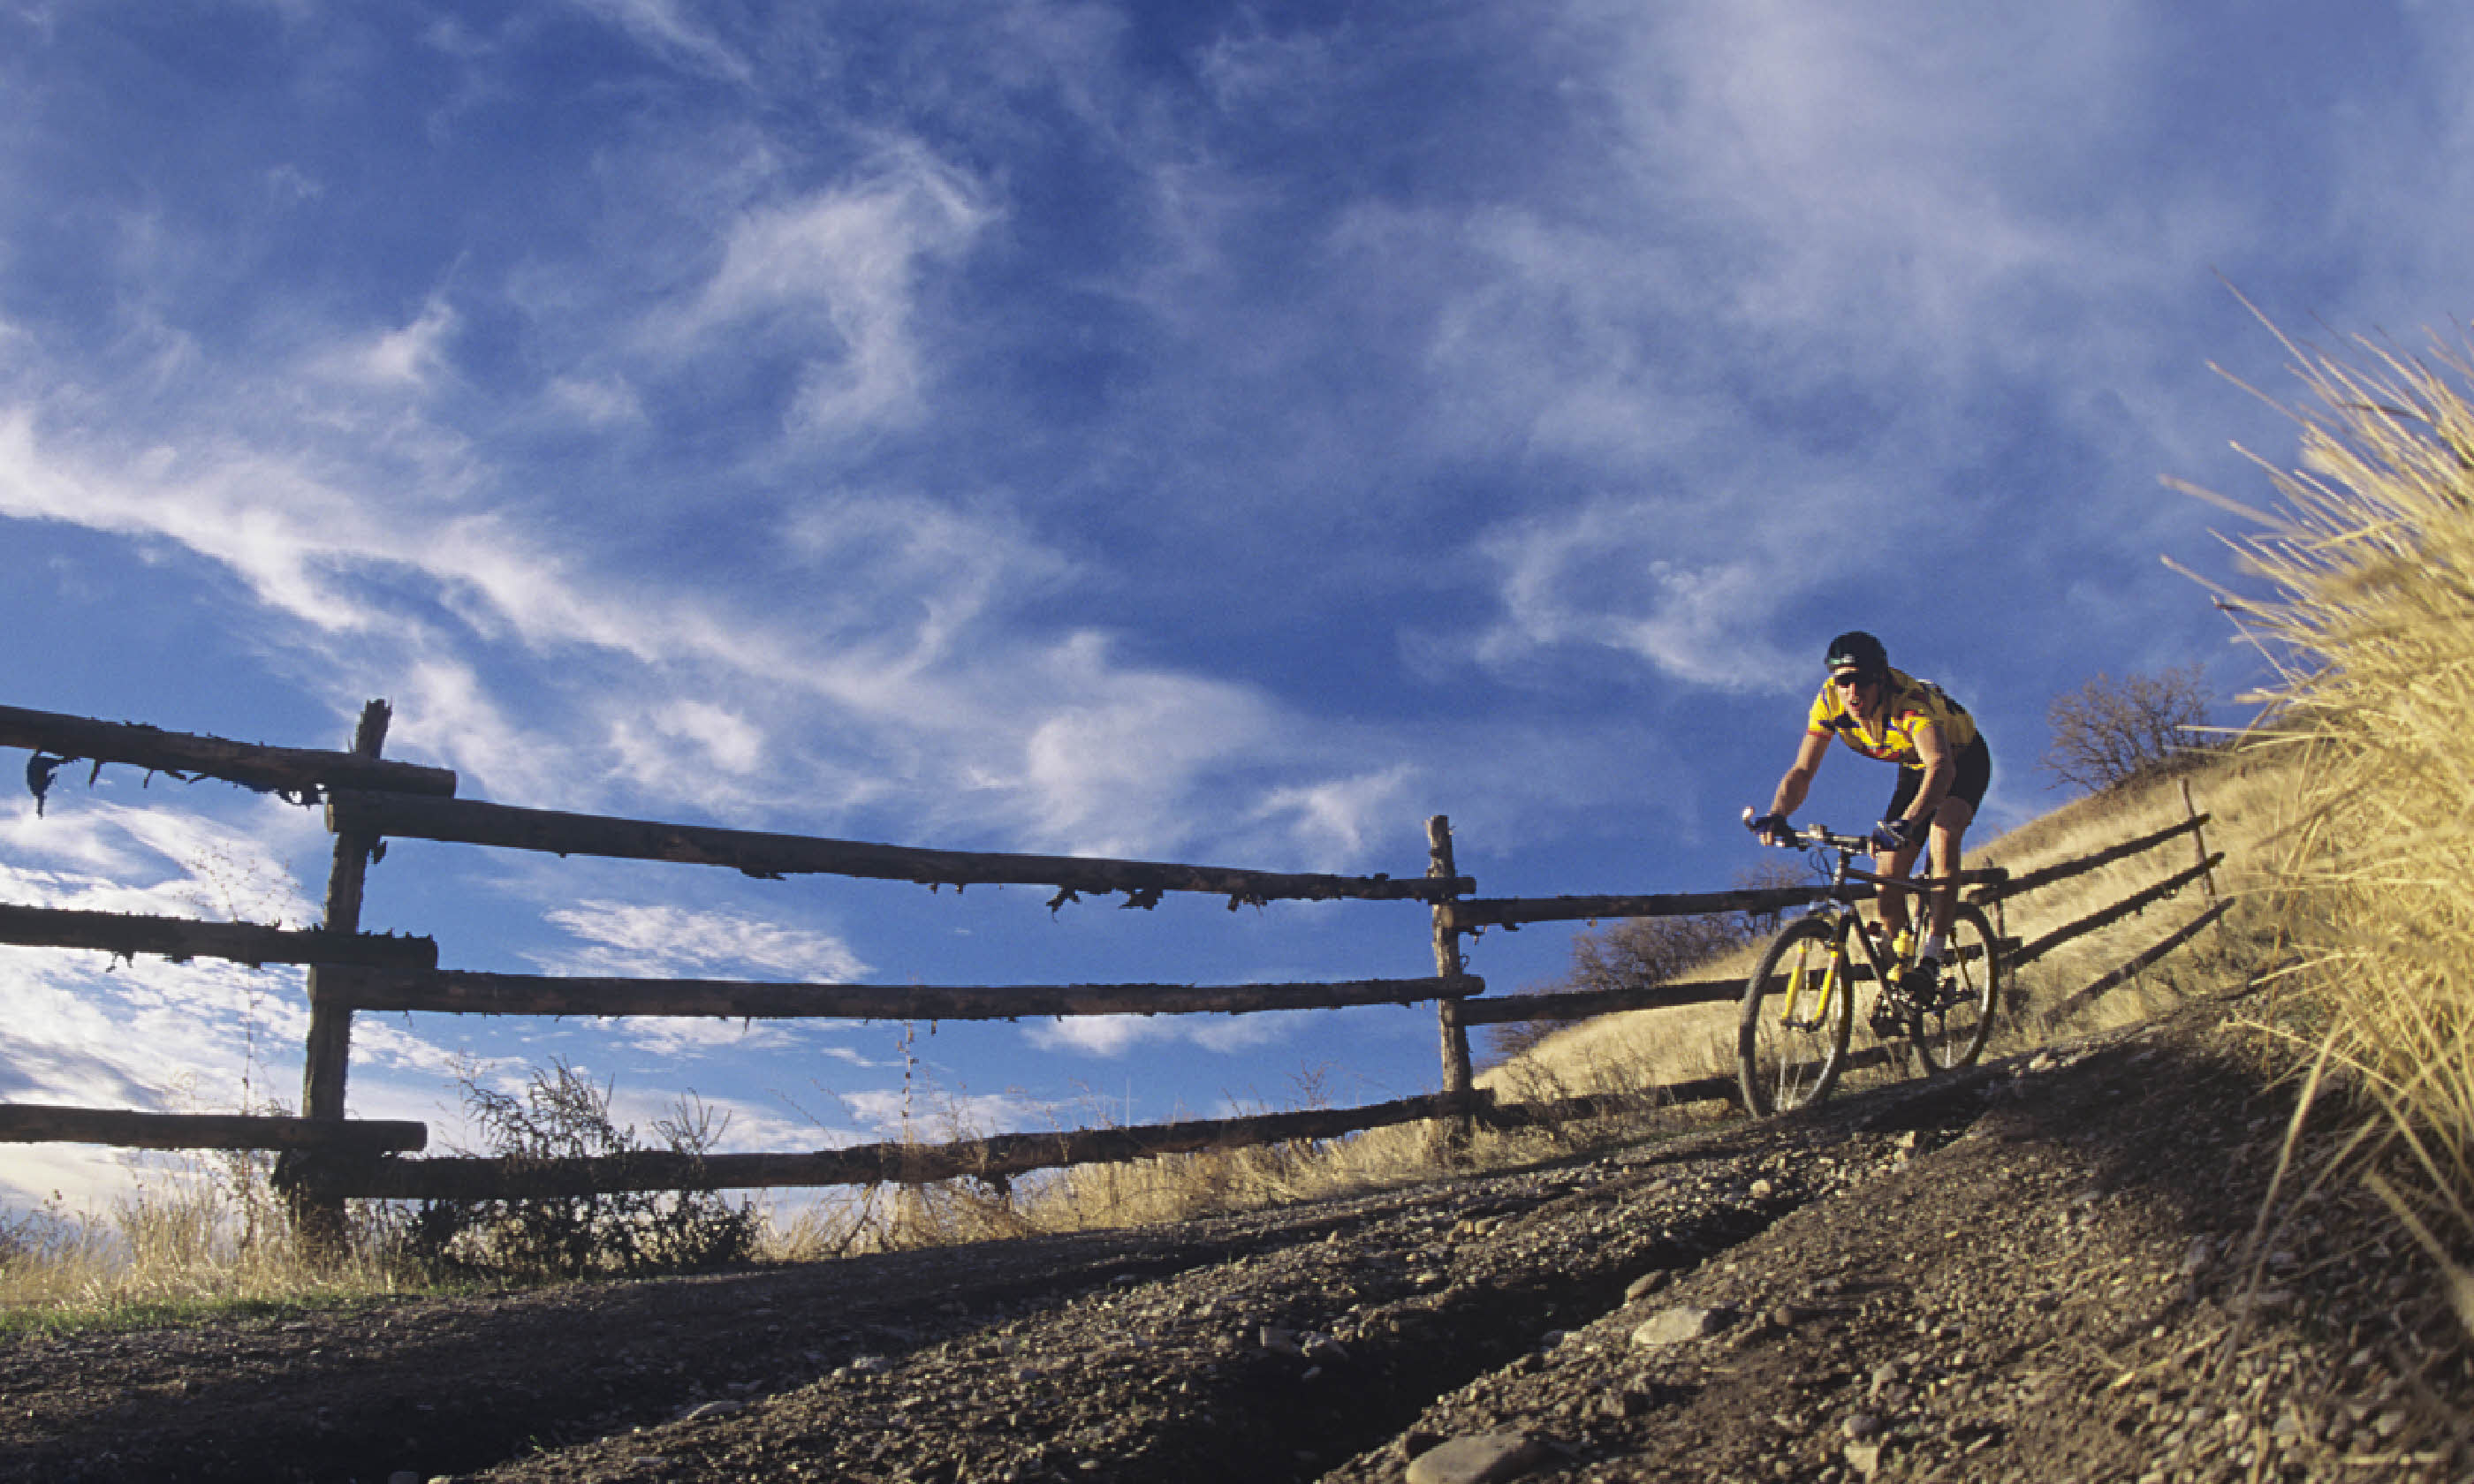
{"points": [[1861, 1426], [1281, 1342], [709, 1410], [1645, 1284], [1321, 1349], [1684, 1322], [1865, 1458], [1762, 1190], [1482, 1459], [1624, 1403]]}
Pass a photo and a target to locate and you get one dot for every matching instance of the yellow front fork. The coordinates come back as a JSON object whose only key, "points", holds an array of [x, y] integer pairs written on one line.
{"points": [[1795, 987]]}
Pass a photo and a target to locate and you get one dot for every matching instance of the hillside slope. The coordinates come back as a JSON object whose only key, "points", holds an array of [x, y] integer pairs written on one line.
{"points": [[2037, 1270]]}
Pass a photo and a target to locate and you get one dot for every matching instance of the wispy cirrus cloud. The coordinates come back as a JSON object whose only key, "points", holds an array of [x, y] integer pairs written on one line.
{"points": [[665, 941]]}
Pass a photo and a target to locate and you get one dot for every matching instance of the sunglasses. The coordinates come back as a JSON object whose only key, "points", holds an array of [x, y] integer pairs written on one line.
{"points": [[1850, 680]]}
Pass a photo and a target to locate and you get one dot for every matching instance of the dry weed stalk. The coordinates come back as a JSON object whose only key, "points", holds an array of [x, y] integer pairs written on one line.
{"points": [[2371, 623]]}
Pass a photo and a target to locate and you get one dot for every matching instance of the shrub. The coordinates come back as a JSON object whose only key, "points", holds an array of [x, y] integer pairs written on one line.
{"points": [[2375, 620], [2110, 731], [562, 1114]]}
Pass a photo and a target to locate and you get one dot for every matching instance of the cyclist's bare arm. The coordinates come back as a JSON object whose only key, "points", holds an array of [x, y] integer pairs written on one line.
{"points": [[1941, 771], [1798, 781]]}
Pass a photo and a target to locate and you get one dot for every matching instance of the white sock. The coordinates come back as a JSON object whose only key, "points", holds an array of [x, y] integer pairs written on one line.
{"points": [[1931, 949]]}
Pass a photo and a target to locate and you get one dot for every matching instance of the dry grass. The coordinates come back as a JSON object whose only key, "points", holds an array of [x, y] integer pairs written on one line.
{"points": [[197, 1235], [2372, 623]]}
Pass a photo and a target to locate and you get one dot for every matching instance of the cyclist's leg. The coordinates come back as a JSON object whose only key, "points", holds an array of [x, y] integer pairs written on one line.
{"points": [[1949, 832], [1892, 905], [1949, 837]]}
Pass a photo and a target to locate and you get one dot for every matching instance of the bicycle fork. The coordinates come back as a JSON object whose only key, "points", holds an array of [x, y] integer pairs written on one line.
{"points": [[1796, 985]]}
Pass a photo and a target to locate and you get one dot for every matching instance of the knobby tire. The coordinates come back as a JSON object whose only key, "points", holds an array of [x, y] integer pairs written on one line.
{"points": [[1952, 1035], [1779, 1066]]}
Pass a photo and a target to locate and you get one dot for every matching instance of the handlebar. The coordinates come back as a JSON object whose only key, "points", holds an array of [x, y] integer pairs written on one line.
{"points": [[1818, 835]]}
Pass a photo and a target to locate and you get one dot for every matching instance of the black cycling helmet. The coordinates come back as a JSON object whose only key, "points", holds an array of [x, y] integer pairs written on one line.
{"points": [[1859, 652]]}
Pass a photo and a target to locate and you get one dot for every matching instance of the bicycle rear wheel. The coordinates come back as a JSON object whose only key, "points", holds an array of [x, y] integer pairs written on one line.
{"points": [[1791, 1041], [1950, 1033]]}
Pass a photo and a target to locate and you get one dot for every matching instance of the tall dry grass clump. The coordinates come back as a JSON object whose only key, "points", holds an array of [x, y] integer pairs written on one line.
{"points": [[195, 1234], [2371, 620]]}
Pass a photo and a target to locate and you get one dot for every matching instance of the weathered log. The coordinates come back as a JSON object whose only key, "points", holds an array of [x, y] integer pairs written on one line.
{"points": [[1608, 1105], [1580, 1004], [466, 1179], [327, 1051], [245, 943], [2063, 871], [457, 992], [1514, 911], [31, 1123], [1451, 1026], [2107, 983], [294, 770], [471, 822], [2137, 901]]}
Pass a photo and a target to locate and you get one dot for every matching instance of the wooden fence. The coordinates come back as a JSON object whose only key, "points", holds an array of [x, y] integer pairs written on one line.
{"points": [[368, 799]]}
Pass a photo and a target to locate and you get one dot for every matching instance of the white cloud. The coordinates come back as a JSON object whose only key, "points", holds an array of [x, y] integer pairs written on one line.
{"points": [[663, 941], [661, 28], [941, 1117], [1116, 1036], [599, 403], [834, 273], [412, 358], [1333, 822]]}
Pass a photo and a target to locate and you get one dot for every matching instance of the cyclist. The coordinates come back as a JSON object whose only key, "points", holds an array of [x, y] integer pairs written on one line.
{"points": [[1944, 769]]}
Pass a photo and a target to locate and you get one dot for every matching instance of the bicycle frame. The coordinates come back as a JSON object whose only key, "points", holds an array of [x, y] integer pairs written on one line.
{"points": [[1835, 908], [1791, 1053]]}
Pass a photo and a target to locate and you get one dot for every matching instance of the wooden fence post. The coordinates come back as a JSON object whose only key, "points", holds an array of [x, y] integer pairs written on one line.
{"points": [[2199, 839], [318, 1221], [1448, 964]]}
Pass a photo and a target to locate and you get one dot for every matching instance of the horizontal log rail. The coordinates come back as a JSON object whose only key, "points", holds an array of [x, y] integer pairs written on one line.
{"points": [[296, 769], [455, 992], [476, 1178], [181, 938], [2065, 870], [1499, 1114], [1580, 1004], [1512, 912], [34, 1123], [2107, 983], [471, 822], [1607, 1104], [2135, 902]]}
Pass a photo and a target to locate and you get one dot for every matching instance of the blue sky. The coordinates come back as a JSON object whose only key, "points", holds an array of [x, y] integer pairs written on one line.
{"points": [[1226, 433]]}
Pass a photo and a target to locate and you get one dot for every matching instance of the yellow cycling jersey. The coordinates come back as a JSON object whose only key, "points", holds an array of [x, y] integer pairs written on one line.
{"points": [[1912, 704]]}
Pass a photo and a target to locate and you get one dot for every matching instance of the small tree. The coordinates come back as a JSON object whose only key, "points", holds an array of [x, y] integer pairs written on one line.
{"points": [[2109, 732]]}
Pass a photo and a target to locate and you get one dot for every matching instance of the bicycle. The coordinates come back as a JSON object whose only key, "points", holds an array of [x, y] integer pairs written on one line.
{"points": [[1799, 1007]]}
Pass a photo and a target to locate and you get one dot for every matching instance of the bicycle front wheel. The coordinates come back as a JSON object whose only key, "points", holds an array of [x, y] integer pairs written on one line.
{"points": [[1949, 1032], [1799, 1008]]}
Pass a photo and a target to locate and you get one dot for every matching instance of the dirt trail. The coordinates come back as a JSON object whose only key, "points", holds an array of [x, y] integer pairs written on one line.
{"points": [[2030, 1271]]}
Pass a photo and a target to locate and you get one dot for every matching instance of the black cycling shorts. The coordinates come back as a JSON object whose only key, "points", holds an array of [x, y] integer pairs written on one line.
{"points": [[1974, 777]]}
